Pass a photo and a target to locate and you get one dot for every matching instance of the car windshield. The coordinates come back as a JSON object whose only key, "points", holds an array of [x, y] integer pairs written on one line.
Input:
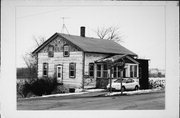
{"points": [[119, 80]]}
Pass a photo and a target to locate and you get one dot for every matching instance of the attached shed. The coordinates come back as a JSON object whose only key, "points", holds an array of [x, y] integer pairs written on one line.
{"points": [[143, 73]]}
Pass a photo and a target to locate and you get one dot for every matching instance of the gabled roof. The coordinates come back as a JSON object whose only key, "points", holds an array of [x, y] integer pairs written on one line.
{"points": [[88, 44]]}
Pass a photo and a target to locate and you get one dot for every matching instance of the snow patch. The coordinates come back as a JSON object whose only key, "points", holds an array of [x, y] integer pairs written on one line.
{"points": [[134, 92], [94, 90]]}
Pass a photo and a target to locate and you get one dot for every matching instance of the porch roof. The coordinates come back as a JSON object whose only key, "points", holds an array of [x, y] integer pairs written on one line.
{"points": [[116, 58]]}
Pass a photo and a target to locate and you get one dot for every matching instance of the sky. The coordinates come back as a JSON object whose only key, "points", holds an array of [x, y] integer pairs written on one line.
{"points": [[142, 27]]}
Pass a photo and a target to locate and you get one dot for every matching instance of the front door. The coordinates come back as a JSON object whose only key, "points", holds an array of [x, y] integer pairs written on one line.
{"points": [[59, 73]]}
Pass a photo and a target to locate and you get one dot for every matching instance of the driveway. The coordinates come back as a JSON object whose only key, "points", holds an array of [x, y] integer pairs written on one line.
{"points": [[152, 101]]}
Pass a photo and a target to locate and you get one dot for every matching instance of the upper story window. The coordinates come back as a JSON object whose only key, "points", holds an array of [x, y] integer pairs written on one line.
{"points": [[72, 70], [51, 51], [91, 70], [45, 69], [66, 50]]}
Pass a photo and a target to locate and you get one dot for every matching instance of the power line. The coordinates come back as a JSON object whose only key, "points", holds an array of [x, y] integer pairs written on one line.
{"points": [[57, 10]]}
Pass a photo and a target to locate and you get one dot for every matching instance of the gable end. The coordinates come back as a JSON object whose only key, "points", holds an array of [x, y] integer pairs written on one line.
{"points": [[53, 38]]}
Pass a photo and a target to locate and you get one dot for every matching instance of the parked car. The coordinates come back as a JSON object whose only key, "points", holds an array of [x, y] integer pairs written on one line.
{"points": [[127, 84]]}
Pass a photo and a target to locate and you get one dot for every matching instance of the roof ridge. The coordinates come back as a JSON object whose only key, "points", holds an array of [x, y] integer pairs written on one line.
{"points": [[90, 44], [85, 37]]}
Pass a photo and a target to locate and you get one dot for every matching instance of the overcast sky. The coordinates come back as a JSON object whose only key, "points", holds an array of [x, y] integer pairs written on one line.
{"points": [[142, 27]]}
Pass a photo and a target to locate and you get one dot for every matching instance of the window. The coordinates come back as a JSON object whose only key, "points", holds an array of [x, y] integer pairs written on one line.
{"points": [[45, 69], [58, 72], [133, 70], [119, 71], [51, 51], [66, 50], [72, 70], [124, 72], [91, 70], [98, 70], [115, 72], [105, 71]]}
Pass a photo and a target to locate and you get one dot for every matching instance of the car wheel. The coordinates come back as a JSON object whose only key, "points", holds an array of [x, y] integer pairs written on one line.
{"points": [[123, 88], [136, 88]]}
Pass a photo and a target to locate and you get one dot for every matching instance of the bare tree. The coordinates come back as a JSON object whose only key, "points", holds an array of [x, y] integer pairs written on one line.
{"points": [[109, 33], [39, 40], [31, 60], [31, 63]]}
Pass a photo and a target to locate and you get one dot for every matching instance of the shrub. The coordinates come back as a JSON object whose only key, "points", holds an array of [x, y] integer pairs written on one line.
{"points": [[39, 87], [60, 89], [23, 88], [156, 83], [43, 86]]}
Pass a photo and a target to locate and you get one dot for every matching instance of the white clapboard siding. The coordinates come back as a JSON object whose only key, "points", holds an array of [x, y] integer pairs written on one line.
{"points": [[90, 58], [75, 57]]}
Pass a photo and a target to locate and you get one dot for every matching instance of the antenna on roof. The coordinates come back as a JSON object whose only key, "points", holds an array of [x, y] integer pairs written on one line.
{"points": [[64, 26]]}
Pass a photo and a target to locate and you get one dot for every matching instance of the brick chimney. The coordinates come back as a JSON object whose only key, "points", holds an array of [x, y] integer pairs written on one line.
{"points": [[82, 31]]}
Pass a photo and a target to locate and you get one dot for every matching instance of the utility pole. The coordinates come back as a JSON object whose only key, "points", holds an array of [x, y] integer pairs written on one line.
{"points": [[121, 81]]}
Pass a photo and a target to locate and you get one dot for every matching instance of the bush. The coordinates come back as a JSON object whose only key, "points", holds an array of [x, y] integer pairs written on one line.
{"points": [[43, 86], [60, 89], [39, 87], [23, 88], [156, 83]]}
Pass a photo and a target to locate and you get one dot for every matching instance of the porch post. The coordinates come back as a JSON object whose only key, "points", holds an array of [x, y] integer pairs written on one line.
{"points": [[109, 65], [121, 81]]}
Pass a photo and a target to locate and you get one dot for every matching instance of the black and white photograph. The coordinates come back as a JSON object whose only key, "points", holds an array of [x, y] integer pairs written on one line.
{"points": [[92, 56]]}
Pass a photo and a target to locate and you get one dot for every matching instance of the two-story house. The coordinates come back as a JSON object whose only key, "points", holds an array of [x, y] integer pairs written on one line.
{"points": [[77, 61]]}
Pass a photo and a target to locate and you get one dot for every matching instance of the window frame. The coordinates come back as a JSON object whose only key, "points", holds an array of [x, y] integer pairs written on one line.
{"points": [[99, 71], [45, 69], [118, 72], [104, 71], [114, 72], [91, 64], [65, 51], [133, 70], [74, 64], [50, 53]]}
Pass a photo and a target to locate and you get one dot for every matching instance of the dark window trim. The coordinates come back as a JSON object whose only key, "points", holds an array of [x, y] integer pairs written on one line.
{"points": [[133, 73], [46, 70], [91, 70], [118, 73], [74, 64], [104, 71], [51, 53], [64, 51], [99, 70]]}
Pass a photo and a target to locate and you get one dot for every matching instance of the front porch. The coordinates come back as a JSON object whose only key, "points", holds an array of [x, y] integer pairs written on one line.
{"points": [[115, 67]]}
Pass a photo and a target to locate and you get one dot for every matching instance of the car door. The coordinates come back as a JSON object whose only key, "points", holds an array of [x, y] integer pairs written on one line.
{"points": [[117, 85], [131, 84], [128, 84]]}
